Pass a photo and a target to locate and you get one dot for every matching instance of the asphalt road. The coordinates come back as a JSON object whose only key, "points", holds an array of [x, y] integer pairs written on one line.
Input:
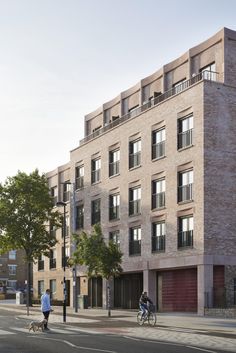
{"points": [[15, 338]]}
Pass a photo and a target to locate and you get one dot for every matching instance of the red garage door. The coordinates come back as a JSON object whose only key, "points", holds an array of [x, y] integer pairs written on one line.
{"points": [[179, 290]]}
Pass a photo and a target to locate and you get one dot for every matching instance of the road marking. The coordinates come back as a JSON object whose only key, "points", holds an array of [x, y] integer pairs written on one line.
{"points": [[73, 345], [201, 349]]}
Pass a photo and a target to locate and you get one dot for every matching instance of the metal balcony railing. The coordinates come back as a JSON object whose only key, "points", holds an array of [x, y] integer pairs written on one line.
{"points": [[158, 150], [158, 200], [135, 247], [185, 192], [114, 212], [134, 159], [134, 207], [185, 239], [79, 182], [158, 243], [114, 168], [52, 263], [205, 75], [185, 138]]}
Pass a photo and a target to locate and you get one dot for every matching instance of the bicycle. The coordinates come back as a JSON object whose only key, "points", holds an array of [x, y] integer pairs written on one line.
{"points": [[150, 316]]}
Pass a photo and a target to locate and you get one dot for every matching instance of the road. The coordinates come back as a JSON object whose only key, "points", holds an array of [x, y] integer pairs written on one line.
{"points": [[16, 338]]}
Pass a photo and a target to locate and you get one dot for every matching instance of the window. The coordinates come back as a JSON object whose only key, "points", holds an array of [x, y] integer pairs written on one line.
{"points": [[185, 128], [41, 262], [185, 234], [134, 201], [52, 229], [114, 162], [67, 256], [53, 288], [135, 241], [96, 211], [12, 270], [158, 143], [79, 220], [158, 236], [96, 170], [114, 236], [67, 225], [52, 259], [54, 194], [66, 191], [185, 188], [79, 177], [12, 255], [158, 193], [209, 72], [179, 86], [134, 153], [40, 288], [114, 207]]}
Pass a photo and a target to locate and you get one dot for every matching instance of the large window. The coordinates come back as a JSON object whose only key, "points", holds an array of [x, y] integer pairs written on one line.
{"points": [[96, 211], [158, 193], [158, 143], [185, 234], [135, 153], [79, 218], [96, 170], [185, 188], [66, 191], [12, 270], [41, 263], [79, 177], [52, 259], [209, 72], [12, 255], [185, 129], [114, 207], [40, 288], [114, 162], [135, 241], [53, 288], [114, 236], [158, 236], [135, 201]]}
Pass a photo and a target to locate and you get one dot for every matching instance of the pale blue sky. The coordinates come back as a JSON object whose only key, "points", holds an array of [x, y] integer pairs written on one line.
{"points": [[62, 59]]}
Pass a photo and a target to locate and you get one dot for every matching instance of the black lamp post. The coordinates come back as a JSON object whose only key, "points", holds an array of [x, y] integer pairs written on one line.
{"points": [[59, 204]]}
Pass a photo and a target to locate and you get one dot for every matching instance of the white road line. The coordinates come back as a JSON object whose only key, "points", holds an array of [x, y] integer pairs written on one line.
{"points": [[201, 349], [3, 332], [73, 345]]}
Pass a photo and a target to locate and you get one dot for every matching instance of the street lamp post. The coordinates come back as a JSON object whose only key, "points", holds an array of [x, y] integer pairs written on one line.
{"points": [[63, 204]]}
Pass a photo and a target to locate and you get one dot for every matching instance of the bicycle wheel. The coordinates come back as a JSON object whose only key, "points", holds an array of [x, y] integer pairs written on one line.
{"points": [[140, 319], [152, 318]]}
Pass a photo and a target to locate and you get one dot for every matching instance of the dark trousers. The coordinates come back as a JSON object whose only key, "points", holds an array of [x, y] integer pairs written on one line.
{"points": [[46, 316]]}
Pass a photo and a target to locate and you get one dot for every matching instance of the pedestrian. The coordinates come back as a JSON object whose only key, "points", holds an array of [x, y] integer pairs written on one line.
{"points": [[46, 307]]}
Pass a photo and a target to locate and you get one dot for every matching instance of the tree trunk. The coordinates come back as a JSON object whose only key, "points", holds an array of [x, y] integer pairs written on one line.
{"points": [[108, 298], [28, 287]]}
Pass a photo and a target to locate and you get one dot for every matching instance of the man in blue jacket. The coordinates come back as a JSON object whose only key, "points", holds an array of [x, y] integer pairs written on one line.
{"points": [[46, 307]]}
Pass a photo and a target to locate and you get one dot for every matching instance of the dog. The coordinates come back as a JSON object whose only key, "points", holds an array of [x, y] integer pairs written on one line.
{"points": [[37, 325]]}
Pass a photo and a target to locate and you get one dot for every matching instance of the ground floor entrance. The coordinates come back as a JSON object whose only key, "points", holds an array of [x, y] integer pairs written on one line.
{"points": [[127, 290]]}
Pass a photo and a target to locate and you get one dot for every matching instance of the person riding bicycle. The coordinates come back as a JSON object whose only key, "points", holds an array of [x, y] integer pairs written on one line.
{"points": [[143, 303]]}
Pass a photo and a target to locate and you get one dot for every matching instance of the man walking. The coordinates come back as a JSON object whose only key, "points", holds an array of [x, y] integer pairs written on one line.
{"points": [[46, 307]]}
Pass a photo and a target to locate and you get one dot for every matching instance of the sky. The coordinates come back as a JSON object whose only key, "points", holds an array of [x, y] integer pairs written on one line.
{"points": [[62, 59]]}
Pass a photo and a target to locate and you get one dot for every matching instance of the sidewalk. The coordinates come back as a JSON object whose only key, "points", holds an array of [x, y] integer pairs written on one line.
{"points": [[188, 329]]}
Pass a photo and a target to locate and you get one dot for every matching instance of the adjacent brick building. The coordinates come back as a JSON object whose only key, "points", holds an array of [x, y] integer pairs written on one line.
{"points": [[157, 169]]}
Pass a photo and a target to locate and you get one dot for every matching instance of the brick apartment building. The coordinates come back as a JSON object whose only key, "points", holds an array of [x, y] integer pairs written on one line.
{"points": [[12, 270], [157, 169]]}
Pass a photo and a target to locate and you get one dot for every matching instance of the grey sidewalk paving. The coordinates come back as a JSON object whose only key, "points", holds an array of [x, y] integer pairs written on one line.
{"points": [[179, 328]]}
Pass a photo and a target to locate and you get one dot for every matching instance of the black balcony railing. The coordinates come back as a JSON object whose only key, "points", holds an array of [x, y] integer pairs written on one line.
{"points": [[52, 263], [135, 247], [114, 212], [185, 239], [158, 200], [134, 207], [134, 159], [40, 265], [64, 260], [66, 196], [114, 168], [158, 150], [96, 217], [185, 138], [158, 243], [205, 75], [185, 193]]}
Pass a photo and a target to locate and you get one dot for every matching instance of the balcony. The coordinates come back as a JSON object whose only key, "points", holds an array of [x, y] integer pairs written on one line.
{"points": [[185, 193], [114, 213], [114, 168], [158, 150], [185, 239], [134, 159], [158, 200], [205, 75], [134, 207], [135, 247], [79, 183], [96, 176], [158, 243], [185, 139], [52, 263]]}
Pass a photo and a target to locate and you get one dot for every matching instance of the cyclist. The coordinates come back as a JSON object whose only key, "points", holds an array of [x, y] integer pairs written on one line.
{"points": [[143, 304]]}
